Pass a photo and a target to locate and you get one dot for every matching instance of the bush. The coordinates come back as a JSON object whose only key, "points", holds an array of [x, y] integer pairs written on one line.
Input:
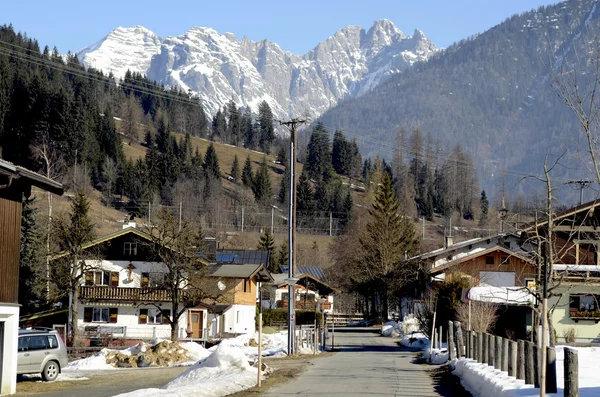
{"points": [[273, 317], [483, 315], [570, 335]]}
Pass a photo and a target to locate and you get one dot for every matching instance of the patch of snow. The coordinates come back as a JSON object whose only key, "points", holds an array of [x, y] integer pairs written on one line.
{"points": [[225, 372], [95, 362], [503, 295]]}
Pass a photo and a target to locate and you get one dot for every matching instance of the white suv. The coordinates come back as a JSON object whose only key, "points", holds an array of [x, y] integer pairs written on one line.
{"points": [[41, 352]]}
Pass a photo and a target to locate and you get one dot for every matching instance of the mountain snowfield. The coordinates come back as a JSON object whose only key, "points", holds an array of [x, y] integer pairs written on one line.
{"points": [[219, 67]]}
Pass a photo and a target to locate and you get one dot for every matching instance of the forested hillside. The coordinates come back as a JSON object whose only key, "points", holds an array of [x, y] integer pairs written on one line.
{"points": [[491, 93]]}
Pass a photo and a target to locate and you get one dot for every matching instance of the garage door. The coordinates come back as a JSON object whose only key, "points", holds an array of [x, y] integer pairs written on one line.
{"points": [[496, 279]]}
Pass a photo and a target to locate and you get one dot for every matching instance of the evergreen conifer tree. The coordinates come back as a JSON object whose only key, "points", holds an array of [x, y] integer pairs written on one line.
{"points": [[261, 186], [282, 196], [484, 205], [266, 243], [304, 196], [267, 130], [388, 237], [282, 157], [235, 169], [282, 257], [32, 277], [211, 163], [247, 173]]}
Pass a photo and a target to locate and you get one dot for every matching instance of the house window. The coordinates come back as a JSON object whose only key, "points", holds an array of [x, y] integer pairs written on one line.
{"points": [[584, 303], [247, 286], [489, 260], [156, 280], [130, 249], [100, 315], [101, 278], [237, 317]]}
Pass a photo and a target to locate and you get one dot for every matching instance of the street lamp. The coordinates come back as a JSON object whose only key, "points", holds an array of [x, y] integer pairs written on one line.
{"points": [[291, 282], [322, 306]]}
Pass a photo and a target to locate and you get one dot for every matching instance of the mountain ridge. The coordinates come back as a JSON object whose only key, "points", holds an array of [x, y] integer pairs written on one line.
{"points": [[219, 67]]}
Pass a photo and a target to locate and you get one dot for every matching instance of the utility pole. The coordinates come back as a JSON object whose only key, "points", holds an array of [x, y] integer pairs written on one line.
{"points": [[582, 185], [292, 125]]}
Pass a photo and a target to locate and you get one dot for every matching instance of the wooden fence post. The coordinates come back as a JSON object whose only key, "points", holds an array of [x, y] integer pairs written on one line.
{"points": [[450, 342], [571, 373], [512, 358], [551, 386], [480, 347], [529, 369], [470, 344], [504, 361], [460, 351], [484, 348], [498, 352], [492, 350], [521, 359], [440, 336]]}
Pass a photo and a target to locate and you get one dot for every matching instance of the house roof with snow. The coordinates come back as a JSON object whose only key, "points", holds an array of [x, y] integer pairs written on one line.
{"points": [[20, 174], [475, 253]]}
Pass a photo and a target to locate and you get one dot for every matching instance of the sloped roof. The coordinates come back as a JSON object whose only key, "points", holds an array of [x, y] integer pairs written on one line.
{"points": [[17, 172], [560, 215], [477, 254], [254, 257], [462, 244], [315, 272], [241, 271]]}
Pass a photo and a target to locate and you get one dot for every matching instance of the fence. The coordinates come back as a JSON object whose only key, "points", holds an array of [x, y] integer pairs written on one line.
{"points": [[520, 359]]}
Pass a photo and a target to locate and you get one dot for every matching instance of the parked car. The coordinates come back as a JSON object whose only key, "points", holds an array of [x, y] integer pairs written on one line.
{"points": [[41, 351]]}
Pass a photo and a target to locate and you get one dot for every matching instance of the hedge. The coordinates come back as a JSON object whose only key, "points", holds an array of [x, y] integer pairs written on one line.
{"points": [[280, 316]]}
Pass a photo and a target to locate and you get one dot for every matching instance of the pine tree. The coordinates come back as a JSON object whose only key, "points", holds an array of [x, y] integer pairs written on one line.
{"points": [[267, 130], [484, 206], [71, 234], [261, 186], [283, 195], [235, 169], [304, 196], [347, 207], [32, 277], [211, 163], [389, 236], [282, 257], [340, 154], [282, 156], [247, 173], [267, 243], [318, 158]]}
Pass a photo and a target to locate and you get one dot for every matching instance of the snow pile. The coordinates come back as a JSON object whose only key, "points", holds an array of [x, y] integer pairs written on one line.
{"points": [[415, 340], [224, 372], [394, 329], [484, 380], [273, 345], [437, 356], [163, 353], [503, 295]]}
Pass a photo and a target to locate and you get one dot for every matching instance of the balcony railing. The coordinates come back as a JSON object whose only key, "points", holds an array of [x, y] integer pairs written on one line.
{"points": [[301, 305], [585, 315], [123, 294]]}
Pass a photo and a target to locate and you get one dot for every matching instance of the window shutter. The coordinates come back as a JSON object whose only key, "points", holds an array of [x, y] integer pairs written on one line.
{"points": [[89, 278], [114, 279], [166, 315], [573, 303], [112, 314], [143, 316], [87, 314], [145, 280]]}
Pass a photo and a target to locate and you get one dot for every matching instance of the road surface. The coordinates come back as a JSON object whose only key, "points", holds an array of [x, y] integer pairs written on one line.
{"points": [[366, 365]]}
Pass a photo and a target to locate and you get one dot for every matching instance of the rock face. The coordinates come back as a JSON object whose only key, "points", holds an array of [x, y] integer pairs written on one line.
{"points": [[219, 67]]}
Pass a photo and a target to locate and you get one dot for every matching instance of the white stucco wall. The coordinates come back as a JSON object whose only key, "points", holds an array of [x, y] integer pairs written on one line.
{"points": [[240, 319], [586, 330], [128, 316], [121, 267], [9, 315]]}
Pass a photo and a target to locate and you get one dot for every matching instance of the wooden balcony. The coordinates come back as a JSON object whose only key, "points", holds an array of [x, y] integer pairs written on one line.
{"points": [[104, 293], [301, 305]]}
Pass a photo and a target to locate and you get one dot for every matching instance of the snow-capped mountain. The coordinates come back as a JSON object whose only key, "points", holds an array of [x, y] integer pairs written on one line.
{"points": [[219, 67]]}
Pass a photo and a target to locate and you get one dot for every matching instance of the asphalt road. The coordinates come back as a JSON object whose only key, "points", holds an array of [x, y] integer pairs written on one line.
{"points": [[366, 365], [101, 383]]}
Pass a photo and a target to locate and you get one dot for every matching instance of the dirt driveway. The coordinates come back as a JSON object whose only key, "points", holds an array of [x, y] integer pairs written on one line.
{"points": [[100, 383]]}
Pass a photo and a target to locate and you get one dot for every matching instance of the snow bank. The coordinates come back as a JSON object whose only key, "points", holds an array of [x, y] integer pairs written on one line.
{"points": [[502, 295], [224, 372], [394, 329], [437, 356], [486, 381], [273, 345], [95, 362]]}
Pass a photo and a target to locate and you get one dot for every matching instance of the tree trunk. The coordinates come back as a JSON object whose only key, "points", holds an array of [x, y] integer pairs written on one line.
{"points": [[74, 315], [175, 317], [384, 298], [551, 332]]}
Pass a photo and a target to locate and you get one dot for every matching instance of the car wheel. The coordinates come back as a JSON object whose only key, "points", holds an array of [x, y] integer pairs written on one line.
{"points": [[51, 371]]}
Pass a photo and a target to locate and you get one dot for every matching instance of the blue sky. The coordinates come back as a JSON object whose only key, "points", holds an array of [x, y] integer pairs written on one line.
{"points": [[296, 26]]}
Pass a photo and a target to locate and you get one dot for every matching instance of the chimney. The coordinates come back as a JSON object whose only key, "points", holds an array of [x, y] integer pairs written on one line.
{"points": [[130, 224], [449, 241], [210, 248]]}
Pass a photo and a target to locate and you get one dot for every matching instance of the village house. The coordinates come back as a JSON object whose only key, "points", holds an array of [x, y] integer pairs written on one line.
{"points": [[311, 285], [496, 269], [15, 183], [576, 267], [122, 296]]}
